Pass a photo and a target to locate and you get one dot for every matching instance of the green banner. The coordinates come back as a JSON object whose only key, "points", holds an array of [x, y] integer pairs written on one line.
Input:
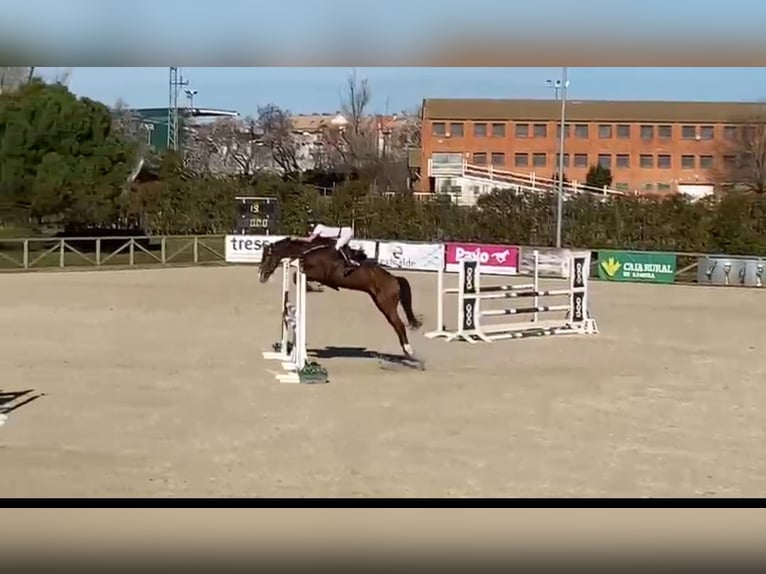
{"points": [[637, 266]]}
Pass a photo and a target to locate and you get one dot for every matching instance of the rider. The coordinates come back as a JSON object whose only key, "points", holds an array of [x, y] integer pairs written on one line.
{"points": [[342, 235]]}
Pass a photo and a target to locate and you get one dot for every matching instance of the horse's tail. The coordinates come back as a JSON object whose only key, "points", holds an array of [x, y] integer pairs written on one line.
{"points": [[405, 298]]}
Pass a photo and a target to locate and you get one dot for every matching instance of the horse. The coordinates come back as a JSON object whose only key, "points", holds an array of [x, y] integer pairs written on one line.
{"points": [[324, 265]]}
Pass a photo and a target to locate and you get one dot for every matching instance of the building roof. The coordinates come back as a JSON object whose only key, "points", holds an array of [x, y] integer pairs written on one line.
{"points": [[593, 110], [162, 113], [318, 122]]}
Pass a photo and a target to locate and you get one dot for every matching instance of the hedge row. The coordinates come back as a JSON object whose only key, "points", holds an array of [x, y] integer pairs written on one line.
{"points": [[734, 223]]}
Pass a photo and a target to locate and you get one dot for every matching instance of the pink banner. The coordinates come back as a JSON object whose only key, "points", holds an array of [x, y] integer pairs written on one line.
{"points": [[497, 259]]}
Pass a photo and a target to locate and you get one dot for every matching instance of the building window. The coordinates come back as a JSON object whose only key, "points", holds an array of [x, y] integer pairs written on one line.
{"points": [[498, 158], [688, 132], [730, 133], [623, 160], [621, 187], [581, 131], [663, 161], [521, 160], [456, 130], [647, 132], [541, 130], [439, 128], [581, 160], [539, 159], [648, 187], [446, 158], [706, 162], [646, 161], [566, 160], [687, 162], [479, 130], [665, 132], [663, 187], [522, 130], [558, 131], [480, 158], [498, 130], [605, 131], [623, 131], [707, 132], [605, 160], [730, 161]]}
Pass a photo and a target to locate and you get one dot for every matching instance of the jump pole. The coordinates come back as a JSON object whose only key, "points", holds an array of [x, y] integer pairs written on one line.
{"points": [[441, 291], [441, 329], [293, 332], [470, 295]]}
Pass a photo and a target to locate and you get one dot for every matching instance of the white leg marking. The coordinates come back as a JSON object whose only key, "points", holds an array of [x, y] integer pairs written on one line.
{"points": [[408, 349]]}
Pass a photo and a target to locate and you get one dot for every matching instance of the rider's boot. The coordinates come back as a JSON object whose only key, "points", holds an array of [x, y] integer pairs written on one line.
{"points": [[349, 264]]}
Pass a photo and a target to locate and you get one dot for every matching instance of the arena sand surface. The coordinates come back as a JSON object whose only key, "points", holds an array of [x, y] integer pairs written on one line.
{"points": [[155, 386]]}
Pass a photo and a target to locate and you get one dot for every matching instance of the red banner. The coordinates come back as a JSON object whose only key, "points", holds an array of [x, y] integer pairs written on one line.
{"points": [[495, 259]]}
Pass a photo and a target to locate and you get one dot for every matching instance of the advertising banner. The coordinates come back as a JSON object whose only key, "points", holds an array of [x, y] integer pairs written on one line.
{"points": [[552, 262], [370, 247], [247, 248], [494, 259], [410, 256], [635, 266], [724, 270]]}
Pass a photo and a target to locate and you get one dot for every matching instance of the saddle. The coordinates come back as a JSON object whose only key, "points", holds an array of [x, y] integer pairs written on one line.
{"points": [[357, 255]]}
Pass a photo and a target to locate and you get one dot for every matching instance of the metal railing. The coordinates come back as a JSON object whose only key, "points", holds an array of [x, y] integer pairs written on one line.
{"points": [[49, 253], [39, 254], [531, 181]]}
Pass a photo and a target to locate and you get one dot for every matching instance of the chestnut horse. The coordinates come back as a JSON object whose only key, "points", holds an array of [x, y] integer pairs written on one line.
{"points": [[323, 264]]}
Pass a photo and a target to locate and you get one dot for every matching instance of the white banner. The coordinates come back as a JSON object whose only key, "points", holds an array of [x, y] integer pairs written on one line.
{"points": [[369, 246], [410, 256], [551, 262], [248, 248]]}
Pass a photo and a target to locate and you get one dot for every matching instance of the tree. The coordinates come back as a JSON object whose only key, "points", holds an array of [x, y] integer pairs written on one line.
{"points": [[745, 155], [371, 146], [352, 146], [279, 138], [60, 156], [227, 146], [599, 176]]}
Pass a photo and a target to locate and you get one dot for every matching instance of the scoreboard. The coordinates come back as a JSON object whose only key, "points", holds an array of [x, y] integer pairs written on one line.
{"points": [[256, 215]]}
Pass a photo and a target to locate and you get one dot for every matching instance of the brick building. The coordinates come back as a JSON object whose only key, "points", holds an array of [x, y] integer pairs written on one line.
{"points": [[650, 146]]}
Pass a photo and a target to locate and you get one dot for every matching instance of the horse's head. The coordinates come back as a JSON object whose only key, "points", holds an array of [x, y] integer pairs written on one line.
{"points": [[273, 253]]}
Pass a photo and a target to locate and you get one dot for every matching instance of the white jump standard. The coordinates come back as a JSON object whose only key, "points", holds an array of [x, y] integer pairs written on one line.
{"points": [[470, 327], [291, 348]]}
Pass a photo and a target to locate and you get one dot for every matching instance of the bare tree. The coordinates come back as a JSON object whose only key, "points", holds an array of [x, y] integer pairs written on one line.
{"points": [[359, 144], [278, 137], [744, 155], [374, 146], [410, 135], [226, 146], [129, 125]]}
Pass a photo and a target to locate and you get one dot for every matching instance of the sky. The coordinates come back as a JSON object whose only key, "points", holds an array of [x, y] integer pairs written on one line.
{"points": [[318, 90]]}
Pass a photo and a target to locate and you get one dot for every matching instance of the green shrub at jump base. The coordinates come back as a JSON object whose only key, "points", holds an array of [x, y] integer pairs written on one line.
{"points": [[635, 266]]}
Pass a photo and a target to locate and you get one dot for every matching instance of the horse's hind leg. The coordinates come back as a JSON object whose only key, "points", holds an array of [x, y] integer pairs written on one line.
{"points": [[387, 306]]}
